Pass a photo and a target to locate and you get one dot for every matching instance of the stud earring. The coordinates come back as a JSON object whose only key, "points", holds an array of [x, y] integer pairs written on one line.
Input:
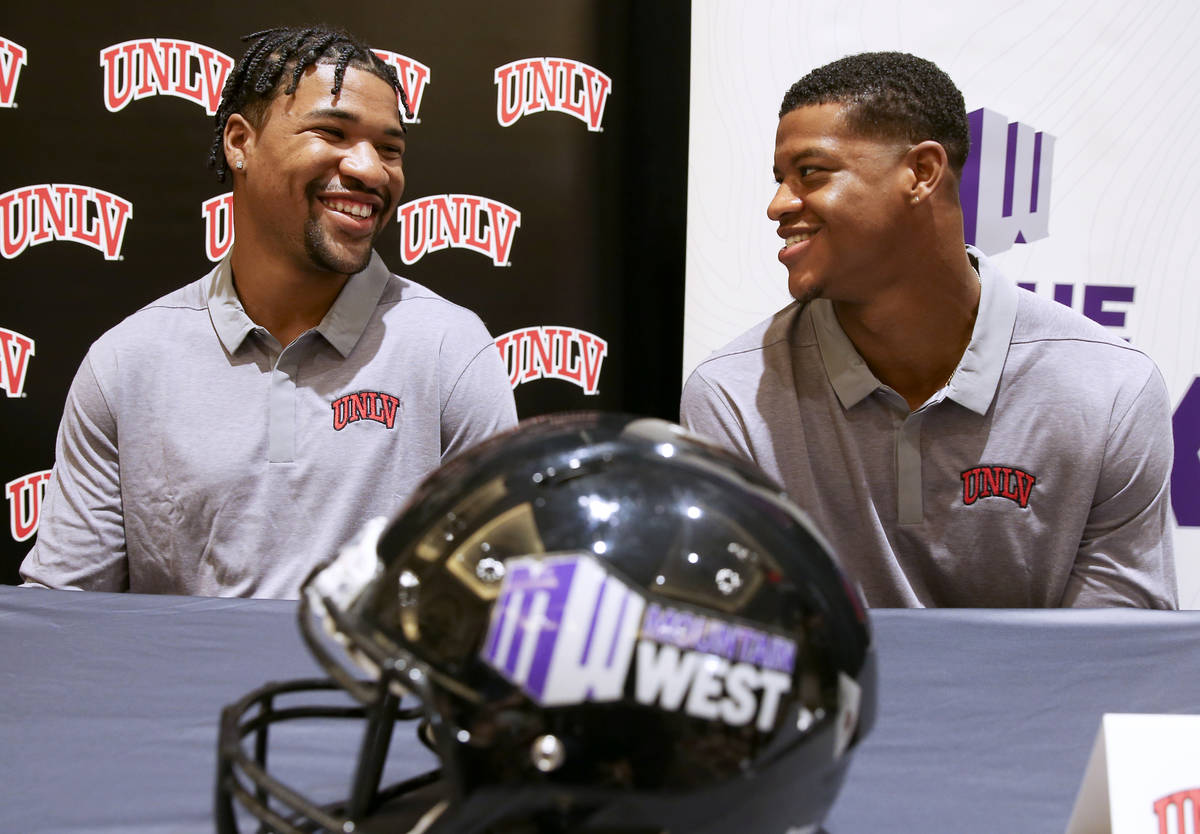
{"points": [[240, 164]]}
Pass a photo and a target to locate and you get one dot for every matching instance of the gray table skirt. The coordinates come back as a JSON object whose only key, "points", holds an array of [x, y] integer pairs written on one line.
{"points": [[109, 707]]}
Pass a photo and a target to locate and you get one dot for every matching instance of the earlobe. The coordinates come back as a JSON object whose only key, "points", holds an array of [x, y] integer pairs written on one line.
{"points": [[239, 140], [929, 167]]}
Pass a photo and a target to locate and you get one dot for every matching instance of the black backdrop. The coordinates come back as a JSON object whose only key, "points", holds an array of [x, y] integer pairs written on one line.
{"points": [[599, 248]]}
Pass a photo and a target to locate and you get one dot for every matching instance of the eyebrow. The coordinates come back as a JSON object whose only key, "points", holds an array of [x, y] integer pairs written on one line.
{"points": [[812, 151], [346, 115]]}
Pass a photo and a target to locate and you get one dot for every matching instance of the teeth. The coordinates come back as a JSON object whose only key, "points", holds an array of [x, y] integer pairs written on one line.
{"points": [[798, 238], [357, 209]]}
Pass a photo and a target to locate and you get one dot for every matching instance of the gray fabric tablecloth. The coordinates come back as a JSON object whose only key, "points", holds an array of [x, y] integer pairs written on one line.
{"points": [[109, 706]]}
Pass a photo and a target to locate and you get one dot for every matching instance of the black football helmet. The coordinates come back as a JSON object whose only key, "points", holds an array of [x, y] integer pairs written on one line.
{"points": [[600, 623]]}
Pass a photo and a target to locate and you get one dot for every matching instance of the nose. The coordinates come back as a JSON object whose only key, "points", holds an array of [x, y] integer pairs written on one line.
{"points": [[784, 202], [362, 162]]}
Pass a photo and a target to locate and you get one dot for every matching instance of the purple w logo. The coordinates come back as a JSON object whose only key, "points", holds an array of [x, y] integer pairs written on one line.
{"points": [[563, 629], [1005, 187]]}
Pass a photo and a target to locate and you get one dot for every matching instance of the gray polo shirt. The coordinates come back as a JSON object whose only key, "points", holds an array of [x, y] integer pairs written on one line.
{"points": [[1037, 477], [198, 456]]}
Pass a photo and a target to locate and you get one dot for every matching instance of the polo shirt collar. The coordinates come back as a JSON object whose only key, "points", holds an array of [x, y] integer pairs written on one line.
{"points": [[341, 327], [977, 377]]}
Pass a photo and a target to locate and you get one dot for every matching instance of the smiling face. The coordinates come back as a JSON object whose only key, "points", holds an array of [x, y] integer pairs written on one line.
{"points": [[840, 205], [321, 174]]}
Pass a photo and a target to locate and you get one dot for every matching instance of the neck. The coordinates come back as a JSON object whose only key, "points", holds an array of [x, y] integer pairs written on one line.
{"points": [[281, 298], [913, 333]]}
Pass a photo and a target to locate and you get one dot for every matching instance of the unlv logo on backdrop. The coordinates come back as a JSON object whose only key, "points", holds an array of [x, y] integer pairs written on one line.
{"points": [[12, 58], [218, 225], [553, 353], [532, 85], [997, 482], [79, 213], [413, 77], [1005, 186], [365, 405], [25, 503], [461, 221], [1187, 821], [15, 351], [163, 66]]}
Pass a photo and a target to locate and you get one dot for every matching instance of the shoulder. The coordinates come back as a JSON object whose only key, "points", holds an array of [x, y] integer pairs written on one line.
{"points": [[427, 309], [767, 342], [163, 321], [1052, 331]]}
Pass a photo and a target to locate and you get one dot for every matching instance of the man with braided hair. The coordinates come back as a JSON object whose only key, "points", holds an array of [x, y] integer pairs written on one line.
{"points": [[960, 441], [227, 437]]}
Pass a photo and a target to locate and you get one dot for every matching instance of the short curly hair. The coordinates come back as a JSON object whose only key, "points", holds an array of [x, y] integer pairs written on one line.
{"points": [[891, 95], [285, 53]]}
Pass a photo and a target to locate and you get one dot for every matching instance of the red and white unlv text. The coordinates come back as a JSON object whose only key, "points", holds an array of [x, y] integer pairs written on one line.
{"points": [[462, 221], [533, 85], [15, 351], [997, 482], [413, 77], [365, 405], [163, 67], [218, 225], [548, 352], [79, 213], [12, 58], [1183, 808], [25, 503]]}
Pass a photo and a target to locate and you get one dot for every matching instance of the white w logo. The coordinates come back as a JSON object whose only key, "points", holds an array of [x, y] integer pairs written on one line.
{"points": [[1005, 186]]}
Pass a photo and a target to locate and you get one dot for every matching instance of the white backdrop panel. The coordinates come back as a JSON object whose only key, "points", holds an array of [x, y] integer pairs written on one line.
{"points": [[1111, 81]]}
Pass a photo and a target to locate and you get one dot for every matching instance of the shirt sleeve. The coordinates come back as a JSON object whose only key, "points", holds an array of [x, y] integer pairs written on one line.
{"points": [[705, 410], [1126, 555], [81, 534], [480, 402]]}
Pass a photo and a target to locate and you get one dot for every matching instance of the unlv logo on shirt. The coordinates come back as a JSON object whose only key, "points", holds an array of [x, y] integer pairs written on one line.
{"points": [[997, 482], [413, 77], [365, 405], [161, 66], [461, 221], [79, 213], [553, 353], [25, 503], [532, 85], [12, 58], [218, 225], [15, 351]]}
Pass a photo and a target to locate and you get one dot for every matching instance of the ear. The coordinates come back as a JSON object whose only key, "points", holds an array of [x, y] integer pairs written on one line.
{"points": [[238, 139], [929, 170]]}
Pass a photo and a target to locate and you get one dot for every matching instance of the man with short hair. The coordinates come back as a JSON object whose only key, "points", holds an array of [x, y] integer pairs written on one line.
{"points": [[960, 441], [231, 435]]}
